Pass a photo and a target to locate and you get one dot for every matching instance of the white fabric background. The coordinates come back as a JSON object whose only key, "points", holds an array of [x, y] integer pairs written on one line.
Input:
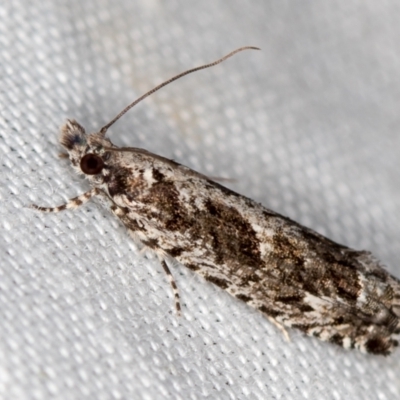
{"points": [[309, 126]]}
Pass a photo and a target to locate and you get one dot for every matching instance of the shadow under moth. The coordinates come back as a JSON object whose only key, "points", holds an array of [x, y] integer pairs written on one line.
{"points": [[294, 276]]}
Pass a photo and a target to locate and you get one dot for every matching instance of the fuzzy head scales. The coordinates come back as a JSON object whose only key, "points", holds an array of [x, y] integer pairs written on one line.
{"points": [[87, 153]]}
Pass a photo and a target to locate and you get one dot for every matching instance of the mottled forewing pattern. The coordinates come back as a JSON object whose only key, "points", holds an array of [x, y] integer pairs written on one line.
{"points": [[293, 275]]}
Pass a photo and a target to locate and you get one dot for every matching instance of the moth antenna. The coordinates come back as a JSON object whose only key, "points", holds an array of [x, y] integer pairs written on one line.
{"points": [[103, 130]]}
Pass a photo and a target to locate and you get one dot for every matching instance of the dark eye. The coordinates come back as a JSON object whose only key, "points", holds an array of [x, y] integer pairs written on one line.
{"points": [[91, 164]]}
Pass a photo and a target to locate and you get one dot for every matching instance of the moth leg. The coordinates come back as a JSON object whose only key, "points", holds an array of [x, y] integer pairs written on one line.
{"points": [[280, 327], [174, 287], [70, 204]]}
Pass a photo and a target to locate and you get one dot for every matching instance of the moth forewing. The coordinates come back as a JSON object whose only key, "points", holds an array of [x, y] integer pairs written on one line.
{"points": [[294, 276]]}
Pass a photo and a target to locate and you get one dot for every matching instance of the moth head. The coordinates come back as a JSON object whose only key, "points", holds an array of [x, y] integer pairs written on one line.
{"points": [[86, 152]]}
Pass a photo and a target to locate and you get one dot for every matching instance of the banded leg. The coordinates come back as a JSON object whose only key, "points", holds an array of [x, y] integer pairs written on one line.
{"points": [[71, 204], [174, 287]]}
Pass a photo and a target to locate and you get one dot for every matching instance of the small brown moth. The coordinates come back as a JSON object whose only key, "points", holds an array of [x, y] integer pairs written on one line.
{"points": [[293, 275]]}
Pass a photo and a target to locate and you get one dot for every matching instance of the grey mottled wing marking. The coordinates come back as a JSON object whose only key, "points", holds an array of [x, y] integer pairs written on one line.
{"points": [[295, 276], [289, 272]]}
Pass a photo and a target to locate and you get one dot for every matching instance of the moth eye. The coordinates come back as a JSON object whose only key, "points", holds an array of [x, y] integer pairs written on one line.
{"points": [[92, 164]]}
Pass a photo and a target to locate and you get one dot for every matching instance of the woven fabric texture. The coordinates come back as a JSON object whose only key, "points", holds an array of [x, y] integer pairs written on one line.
{"points": [[309, 126]]}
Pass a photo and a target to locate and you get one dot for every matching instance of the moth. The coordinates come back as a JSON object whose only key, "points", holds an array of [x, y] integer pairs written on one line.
{"points": [[294, 276]]}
